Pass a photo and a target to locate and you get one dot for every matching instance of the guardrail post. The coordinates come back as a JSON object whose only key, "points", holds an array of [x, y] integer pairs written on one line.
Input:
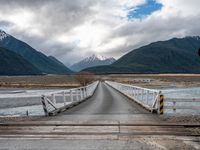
{"points": [[133, 92], [86, 93], [174, 106], [137, 93], [129, 91], [161, 104], [71, 95], [64, 99], [81, 93], [53, 98], [142, 92], [77, 99], [147, 97]]}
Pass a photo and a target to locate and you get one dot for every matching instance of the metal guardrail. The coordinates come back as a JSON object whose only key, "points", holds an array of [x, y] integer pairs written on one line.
{"points": [[182, 105], [66, 98], [148, 98], [155, 101]]}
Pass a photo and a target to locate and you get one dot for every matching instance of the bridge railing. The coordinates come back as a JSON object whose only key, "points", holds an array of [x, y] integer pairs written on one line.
{"points": [[57, 101], [148, 98]]}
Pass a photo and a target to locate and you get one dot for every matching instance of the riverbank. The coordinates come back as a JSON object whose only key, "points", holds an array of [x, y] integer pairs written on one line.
{"points": [[69, 81], [39, 82]]}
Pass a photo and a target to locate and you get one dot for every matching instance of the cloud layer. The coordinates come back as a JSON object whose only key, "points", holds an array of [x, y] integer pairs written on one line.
{"points": [[72, 30]]}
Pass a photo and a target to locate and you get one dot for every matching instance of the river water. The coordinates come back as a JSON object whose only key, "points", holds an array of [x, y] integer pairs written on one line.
{"points": [[23, 102]]}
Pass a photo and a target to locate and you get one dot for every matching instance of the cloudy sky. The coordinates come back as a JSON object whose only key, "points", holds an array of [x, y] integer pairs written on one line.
{"points": [[71, 30]]}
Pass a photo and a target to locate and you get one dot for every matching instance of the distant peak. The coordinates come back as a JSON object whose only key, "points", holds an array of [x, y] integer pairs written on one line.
{"points": [[91, 61], [3, 35], [100, 57]]}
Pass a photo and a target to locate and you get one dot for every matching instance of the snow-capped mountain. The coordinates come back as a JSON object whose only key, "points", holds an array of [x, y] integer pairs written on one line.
{"points": [[94, 60], [3, 35]]}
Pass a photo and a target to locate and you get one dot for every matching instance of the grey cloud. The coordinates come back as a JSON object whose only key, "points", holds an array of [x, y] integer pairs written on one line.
{"points": [[56, 17], [5, 24]]}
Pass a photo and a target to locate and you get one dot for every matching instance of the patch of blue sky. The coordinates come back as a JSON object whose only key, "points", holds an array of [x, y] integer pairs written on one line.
{"points": [[144, 10]]}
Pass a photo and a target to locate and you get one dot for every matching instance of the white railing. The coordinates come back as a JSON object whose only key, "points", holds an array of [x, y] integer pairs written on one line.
{"points": [[57, 100], [182, 105], [148, 98]]}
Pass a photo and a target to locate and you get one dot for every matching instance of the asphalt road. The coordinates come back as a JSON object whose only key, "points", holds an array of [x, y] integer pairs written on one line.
{"points": [[106, 100]]}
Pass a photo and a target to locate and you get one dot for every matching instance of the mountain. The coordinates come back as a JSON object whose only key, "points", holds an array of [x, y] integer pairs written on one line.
{"points": [[56, 61], [94, 60], [177, 55], [14, 64], [38, 59]]}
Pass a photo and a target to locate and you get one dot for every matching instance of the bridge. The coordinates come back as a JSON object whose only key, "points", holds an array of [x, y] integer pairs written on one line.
{"points": [[103, 115]]}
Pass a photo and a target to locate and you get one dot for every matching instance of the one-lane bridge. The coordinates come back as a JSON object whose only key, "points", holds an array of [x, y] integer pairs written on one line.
{"points": [[101, 116]]}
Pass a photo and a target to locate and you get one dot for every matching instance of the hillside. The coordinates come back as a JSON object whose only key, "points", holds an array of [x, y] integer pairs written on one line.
{"points": [[172, 56], [56, 61], [38, 59], [14, 64], [92, 61]]}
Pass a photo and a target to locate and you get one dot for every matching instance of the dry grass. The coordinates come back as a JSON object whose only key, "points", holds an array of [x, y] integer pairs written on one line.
{"points": [[38, 81], [52, 81], [157, 80]]}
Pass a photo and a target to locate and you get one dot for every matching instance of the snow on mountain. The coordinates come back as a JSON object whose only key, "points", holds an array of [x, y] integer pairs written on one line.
{"points": [[3, 35], [94, 60]]}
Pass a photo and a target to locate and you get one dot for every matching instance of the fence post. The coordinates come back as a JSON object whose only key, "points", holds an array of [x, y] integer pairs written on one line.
{"points": [[161, 104], [44, 105]]}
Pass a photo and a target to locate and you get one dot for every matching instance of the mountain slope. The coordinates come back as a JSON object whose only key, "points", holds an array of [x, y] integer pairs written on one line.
{"points": [[172, 56], [92, 61], [56, 61], [14, 64], [38, 59]]}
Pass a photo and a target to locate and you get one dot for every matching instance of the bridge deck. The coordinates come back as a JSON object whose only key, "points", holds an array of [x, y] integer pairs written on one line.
{"points": [[106, 105]]}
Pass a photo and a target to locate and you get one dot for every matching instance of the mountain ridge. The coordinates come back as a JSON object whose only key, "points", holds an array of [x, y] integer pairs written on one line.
{"points": [[177, 55], [93, 60], [38, 59]]}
